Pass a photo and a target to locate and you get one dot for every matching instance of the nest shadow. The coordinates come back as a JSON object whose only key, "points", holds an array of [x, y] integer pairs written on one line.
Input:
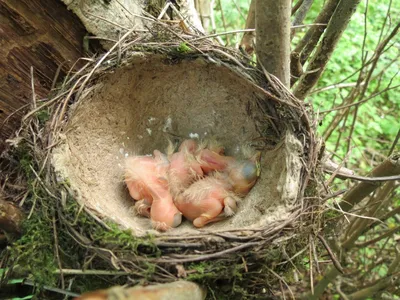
{"points": [[136, 108]]}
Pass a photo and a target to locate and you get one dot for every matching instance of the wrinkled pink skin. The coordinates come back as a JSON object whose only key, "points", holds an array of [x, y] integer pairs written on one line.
{"points": [[215, 197], [184, 168], [205, 200], [240, 175], [145, 178]]}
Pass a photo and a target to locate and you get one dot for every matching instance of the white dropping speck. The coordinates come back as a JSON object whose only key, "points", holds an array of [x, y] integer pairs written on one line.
{"points": [[168, 125], [140, 137], [149, 131], [151, 119], [126, 154], [205, 133], [121, 150], [123, 144], [117, 157], [194, 135], [119, 165], [127, 137]]}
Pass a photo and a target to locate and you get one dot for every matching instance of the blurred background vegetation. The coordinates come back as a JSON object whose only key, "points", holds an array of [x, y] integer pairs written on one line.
{"points": [[366, 133]]}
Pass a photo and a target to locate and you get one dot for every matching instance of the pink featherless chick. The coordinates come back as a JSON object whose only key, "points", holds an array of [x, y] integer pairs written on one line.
{"points": [[215, 197], [146, 179], [184, 168]]}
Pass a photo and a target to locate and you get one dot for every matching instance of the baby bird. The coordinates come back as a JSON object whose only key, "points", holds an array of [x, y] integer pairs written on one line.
{"points": [[205, 200], [215, 197], [184, 168], [146, 179]]}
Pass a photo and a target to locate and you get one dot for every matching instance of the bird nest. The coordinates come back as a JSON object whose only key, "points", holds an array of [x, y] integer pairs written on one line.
{"points": [[151, 89]]}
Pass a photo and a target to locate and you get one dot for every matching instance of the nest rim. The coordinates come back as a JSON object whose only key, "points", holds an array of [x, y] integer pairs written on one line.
{"points": [[226, 242]]}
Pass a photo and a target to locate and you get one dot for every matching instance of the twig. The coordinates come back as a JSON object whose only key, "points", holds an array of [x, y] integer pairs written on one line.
{"points": [[367, 179], [394, 143], [33, 89], [284, 282], [223, 20], [311, 267], [91, 272], [335, 261], [57, 252], [208, 256], [239, 10], [52, 289], [377, 239]]}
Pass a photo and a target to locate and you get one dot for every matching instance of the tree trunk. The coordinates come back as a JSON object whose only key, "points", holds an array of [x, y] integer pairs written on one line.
{"points": [[38, 33], [273, 37]]}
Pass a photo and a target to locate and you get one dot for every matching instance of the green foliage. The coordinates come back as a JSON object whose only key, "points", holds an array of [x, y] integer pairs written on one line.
{"points": [[375, 127]]}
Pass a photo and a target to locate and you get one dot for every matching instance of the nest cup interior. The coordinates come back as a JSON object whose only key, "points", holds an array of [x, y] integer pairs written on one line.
{"points": [[136, 108]]}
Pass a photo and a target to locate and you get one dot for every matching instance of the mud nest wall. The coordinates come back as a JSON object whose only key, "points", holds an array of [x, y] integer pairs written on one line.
{"points": [[135, 109]]}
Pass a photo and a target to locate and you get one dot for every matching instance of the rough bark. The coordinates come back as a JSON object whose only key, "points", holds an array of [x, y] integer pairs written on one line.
{"points": [[273, 37], [338, 23], [37, 33], [204, 9], [107, 18]]}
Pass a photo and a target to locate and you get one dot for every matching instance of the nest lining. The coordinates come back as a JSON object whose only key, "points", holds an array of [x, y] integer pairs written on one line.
{"points": [[136, 108]]}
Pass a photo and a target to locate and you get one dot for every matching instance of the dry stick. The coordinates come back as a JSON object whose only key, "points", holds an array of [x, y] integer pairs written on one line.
{"points": [[319, 60], [354, 93], [354, 196], [284, 282], [239, 10], [369, 292], [359, 226], [334, 86], [359, 102], [339, 289], [311, 266], [377, 239], [223, 20], [57, 252], [213, 26], [366, 179], [208, 256], [335, 261], [394, 143], [353, 123]]}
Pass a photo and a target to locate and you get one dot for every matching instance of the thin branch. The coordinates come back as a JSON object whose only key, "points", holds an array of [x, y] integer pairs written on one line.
{"points": [[334, 30], [335, 261], [390, 167], [301, 14], [311, 38], [394, 143], [377, 239]]}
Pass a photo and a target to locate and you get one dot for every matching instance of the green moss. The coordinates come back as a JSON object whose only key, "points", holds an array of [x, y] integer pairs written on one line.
{"points": [[43, 116], [33, 253], [183, 48]]}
